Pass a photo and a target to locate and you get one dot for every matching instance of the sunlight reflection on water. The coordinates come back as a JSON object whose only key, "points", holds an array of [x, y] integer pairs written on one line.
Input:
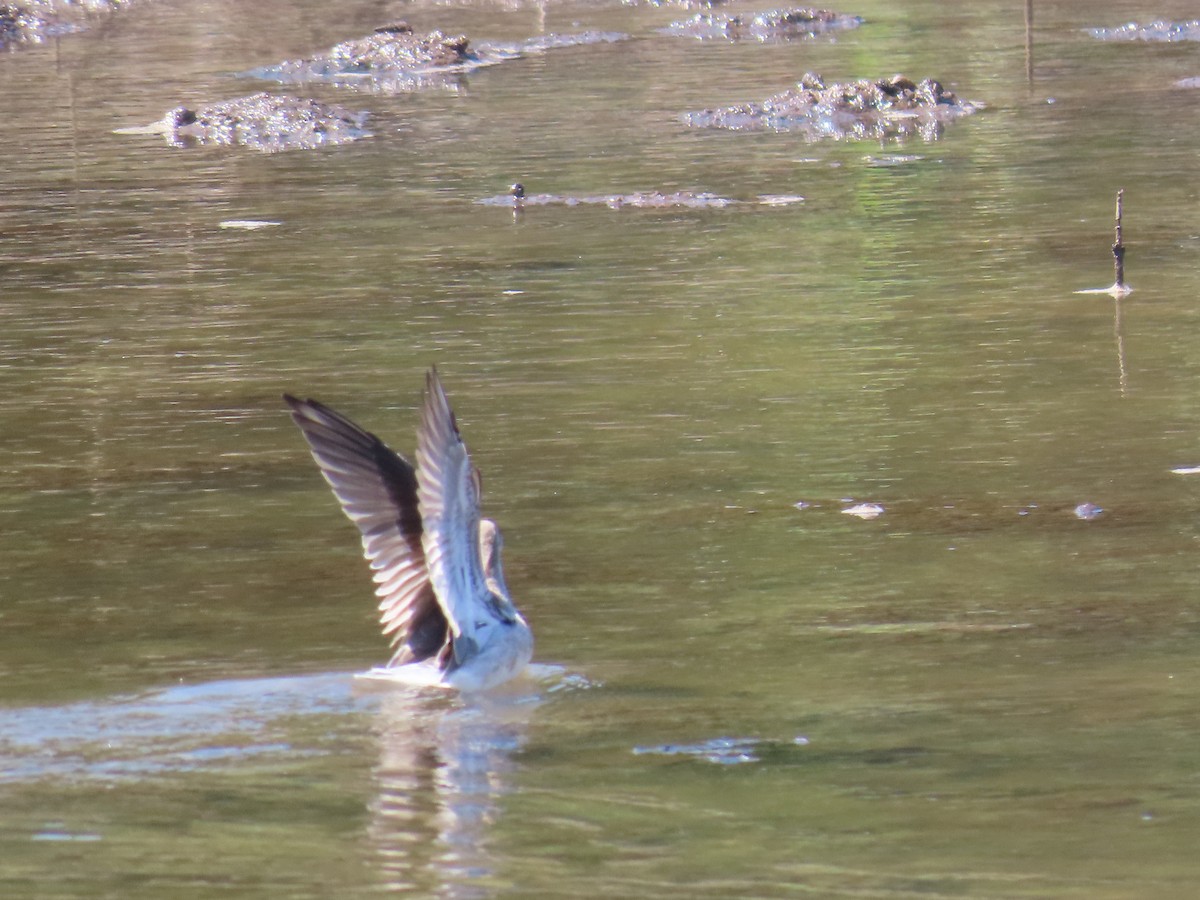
{"points": [[176, 729]]}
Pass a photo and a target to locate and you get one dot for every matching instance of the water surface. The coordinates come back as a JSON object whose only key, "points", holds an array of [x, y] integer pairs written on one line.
{"points": [[975, 694]]}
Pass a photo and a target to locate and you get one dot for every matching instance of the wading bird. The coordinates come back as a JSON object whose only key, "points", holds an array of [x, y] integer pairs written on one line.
{"points": [[441, 590]]}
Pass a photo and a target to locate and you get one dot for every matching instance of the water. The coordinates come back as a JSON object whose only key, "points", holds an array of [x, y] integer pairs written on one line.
{"points": [[975, 694]]}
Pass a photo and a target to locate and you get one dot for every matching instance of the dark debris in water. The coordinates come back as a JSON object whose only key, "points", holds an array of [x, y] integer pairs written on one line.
{"points": [[24, 22], [771, 25], [688, 4], [895, 107], [27, 23], [517, 198], [265, 122], [637, 199], [390, 60]]}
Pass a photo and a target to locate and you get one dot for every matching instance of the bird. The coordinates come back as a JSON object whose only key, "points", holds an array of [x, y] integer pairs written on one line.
{"points": [[442, 596]]}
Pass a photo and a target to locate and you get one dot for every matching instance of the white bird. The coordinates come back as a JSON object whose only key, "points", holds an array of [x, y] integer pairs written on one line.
{"points": [[441, 590]]}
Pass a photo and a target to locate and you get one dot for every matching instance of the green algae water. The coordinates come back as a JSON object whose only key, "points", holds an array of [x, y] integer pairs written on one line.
{"points": [[982, 691]]}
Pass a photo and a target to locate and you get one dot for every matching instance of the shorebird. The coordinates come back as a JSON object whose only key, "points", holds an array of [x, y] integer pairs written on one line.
{"points": [[441, 590]]}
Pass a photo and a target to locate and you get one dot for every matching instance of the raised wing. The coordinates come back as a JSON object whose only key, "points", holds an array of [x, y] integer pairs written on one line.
{"points": [[448, 491], [378, 492]]}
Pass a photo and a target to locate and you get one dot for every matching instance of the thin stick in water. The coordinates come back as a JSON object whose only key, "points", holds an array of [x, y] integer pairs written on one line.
{"points": [[1119, 288], [1118, 247]]}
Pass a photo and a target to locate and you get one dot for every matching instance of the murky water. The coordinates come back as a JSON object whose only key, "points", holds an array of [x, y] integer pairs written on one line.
{"points": [[976, 693]]}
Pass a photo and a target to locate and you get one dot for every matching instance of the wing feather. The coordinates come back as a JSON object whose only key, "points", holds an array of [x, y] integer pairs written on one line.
{"points": [[378, 491], [448, 494]]}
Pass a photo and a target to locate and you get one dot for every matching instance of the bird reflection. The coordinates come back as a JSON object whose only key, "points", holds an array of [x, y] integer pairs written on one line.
{"points": [[445, 762]]}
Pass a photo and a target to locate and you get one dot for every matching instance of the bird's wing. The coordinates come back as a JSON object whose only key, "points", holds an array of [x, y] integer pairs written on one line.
{"points": [[448, 491], [378, 492]]}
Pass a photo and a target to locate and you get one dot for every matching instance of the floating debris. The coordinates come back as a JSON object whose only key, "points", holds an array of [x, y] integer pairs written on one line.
{"points": [[637, 199], [265, 122], [779, 199], [892, 160], [57, 831], [688, 4], [895, 107], [1088, 511], [723, 751], [517, 198], [773, 25], [543, 42], [25, 22], [563, 681], [864, 511], [247, 224], [1186, 470], [29, 23], [1159, 32], [391, 60], [395, 59]]}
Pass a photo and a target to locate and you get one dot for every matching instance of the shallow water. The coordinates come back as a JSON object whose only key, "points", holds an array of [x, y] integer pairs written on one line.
{"points": [[976, 693]]}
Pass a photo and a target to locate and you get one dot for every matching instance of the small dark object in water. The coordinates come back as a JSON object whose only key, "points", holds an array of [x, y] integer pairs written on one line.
{"points": [[396, 28], [181, 117]]}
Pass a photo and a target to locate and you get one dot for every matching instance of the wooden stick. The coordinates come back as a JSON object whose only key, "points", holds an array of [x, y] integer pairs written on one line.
{"points": [[1118, 247]]}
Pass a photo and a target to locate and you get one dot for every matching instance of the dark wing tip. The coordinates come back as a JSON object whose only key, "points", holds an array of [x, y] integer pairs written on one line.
{"points": [[437, 406], [303, 410]]}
